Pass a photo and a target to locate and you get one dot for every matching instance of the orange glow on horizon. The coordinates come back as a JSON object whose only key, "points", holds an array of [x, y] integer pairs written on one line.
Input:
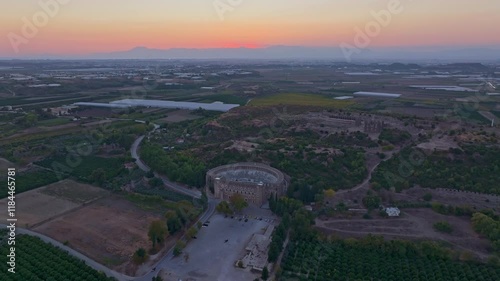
{"points": [[91, 26]]}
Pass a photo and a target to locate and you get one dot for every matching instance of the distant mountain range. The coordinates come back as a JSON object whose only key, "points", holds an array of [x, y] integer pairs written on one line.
{"points": [[465, 54]]}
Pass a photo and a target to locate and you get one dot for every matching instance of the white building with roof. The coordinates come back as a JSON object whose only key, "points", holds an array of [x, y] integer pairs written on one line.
{"points": [[393, 211]]}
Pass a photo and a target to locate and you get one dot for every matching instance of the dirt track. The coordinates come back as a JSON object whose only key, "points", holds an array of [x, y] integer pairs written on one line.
{"points": [[413, 224]]}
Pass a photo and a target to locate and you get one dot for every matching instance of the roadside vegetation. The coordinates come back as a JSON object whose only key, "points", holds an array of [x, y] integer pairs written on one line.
{"points": [[38, 260]]}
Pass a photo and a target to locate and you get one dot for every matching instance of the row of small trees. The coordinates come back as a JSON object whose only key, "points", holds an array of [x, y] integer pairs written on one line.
{"points": [[160, 230]]}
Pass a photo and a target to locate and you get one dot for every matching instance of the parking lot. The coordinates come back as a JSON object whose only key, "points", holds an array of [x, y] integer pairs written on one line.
{"points": [[213, 254]]}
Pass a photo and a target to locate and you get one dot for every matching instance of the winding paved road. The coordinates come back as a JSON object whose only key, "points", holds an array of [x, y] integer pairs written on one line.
{"points": [[176, 187], [134, 151], [159, 264]]}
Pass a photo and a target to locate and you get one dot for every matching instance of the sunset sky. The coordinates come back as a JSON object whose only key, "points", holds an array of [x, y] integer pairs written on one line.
{"points": [[89, 26]]}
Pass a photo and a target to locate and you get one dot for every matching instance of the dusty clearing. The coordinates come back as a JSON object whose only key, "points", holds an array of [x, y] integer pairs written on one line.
{"points": [[413, 224], [44, 203], [34, 207], [74, 191], [108, 230]]}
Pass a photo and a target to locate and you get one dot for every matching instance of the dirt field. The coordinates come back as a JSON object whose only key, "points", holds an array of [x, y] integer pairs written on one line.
{"points": [[38, 205], [74, 191], [413, 224], [34, 207], [108, 230], [451, 197], [5, 164]]}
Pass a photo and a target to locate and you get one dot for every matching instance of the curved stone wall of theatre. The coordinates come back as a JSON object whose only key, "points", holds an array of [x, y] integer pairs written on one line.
{"points": [[254, 181]]}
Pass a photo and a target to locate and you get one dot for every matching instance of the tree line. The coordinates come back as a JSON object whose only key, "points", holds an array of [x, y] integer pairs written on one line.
{"points": [[176, 166], [476, 169]]}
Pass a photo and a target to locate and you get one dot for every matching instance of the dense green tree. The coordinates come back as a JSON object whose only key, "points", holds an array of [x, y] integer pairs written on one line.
{"points": [[30, 119], [140, 256], [157, 233], [265, 273], [224, 208], [443, 226], [179, 246], [489, 227], [98, 176], [156, 182], [427, 197], [238, 202], [174, 224], [191, 232], [371, 202]]}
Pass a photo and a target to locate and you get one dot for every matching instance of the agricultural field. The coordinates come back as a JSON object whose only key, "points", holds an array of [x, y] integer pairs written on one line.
{"points": [[74, 191], [39, 261], [54, 122], [108, 230], [42, 204], [225, 98], [300, 99], [85, 171], [378, 261], [166, 194], [29, 180]]}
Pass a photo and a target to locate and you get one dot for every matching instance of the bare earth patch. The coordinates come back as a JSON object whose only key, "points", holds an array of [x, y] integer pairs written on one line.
{"points": [[74, 191], [34, 207], [413, 224], [108, 230], [45, 203]]}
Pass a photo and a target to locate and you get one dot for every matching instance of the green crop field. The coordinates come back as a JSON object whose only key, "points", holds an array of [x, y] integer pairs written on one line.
{"points": [[301, 99], [54, 122], [30, 180], [111, 166], [38, 261], [385, 261]]}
